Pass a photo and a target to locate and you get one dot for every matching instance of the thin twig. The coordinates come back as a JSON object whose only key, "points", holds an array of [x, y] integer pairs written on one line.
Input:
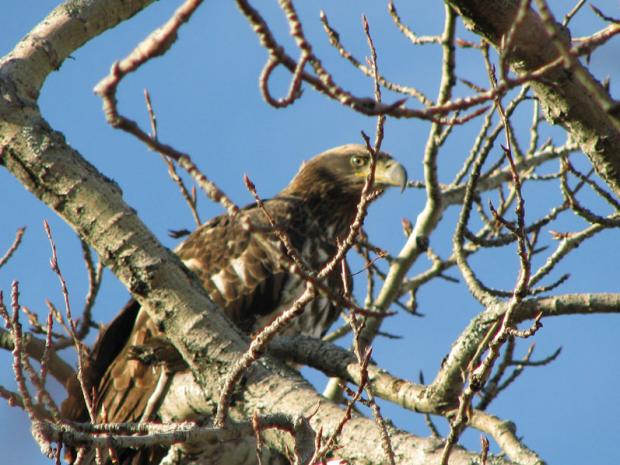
{"points": [[14, 246], [172, 172], [407, 32], [334, 39], [71, 326], [569, 16]]}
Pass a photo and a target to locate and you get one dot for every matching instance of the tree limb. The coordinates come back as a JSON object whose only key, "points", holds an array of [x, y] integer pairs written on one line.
{"points": [[582, 106], [46, 165]]}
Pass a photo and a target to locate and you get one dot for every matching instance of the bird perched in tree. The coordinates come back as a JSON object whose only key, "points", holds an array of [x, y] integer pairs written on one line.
{"points": [[246, 273]]}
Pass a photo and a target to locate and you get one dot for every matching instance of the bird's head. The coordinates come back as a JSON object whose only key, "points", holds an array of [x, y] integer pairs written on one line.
{"points": [[343, 171]]}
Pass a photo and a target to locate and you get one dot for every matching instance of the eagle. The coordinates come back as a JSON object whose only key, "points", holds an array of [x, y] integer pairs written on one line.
{"points": [[244, 271]]}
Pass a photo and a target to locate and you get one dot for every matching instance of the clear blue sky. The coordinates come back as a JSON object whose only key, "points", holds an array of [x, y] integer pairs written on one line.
{"points": [[207, 101]]}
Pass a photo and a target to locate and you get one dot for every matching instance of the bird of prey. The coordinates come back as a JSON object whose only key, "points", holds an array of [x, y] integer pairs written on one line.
{"points": [[244, 272]]}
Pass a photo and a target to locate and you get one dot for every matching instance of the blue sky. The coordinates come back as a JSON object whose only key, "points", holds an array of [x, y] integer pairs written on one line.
{"points": [[206, 96]]}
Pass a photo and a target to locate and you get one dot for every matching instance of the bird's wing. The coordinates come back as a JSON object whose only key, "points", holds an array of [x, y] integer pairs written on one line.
{"points": [[241, 264], [128, 384]]}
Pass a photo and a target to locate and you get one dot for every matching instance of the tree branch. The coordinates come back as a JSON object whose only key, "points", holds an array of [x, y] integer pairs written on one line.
{"points": [[568, 101], [46, 165]]}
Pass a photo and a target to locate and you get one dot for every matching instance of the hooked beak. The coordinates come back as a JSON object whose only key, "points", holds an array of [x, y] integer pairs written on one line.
{"points": [[391, 173]]}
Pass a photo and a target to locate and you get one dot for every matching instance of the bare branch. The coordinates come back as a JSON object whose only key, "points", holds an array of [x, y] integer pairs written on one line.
{"points": [[81, 373], [172, 172], [14, 246]]}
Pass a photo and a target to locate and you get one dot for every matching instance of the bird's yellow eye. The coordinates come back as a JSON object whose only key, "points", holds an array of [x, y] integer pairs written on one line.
{"points": [[358, 161]]}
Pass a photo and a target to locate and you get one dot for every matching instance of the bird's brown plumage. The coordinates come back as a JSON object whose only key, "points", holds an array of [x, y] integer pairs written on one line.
{"points": [[245, 272]]}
